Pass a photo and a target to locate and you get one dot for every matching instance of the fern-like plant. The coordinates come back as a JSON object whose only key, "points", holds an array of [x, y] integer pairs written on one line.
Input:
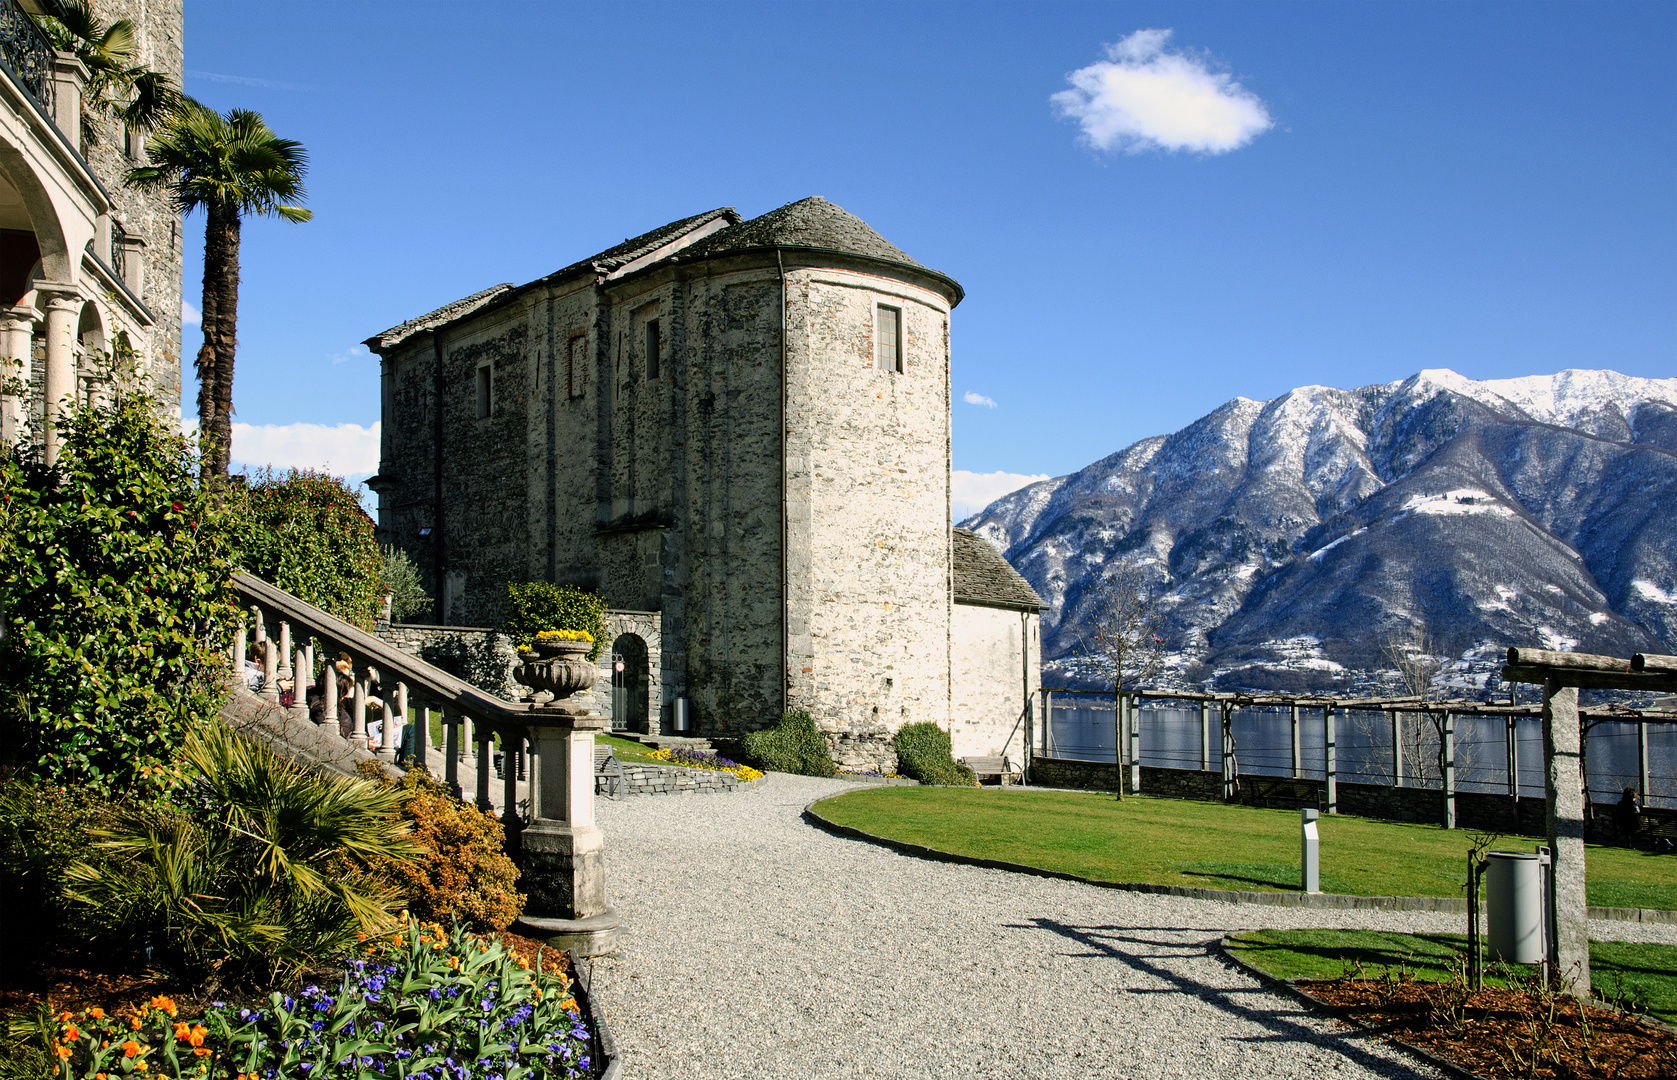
{"points": [[261, 873]]}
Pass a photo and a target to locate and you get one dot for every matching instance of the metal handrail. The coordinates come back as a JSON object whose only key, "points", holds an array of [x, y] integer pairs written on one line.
{"points": [[27, 52]]}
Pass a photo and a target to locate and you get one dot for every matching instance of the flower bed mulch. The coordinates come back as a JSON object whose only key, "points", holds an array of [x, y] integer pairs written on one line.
{"points": [[1497, 1033]]}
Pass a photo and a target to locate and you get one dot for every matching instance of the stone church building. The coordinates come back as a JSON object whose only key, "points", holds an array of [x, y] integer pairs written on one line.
{"points": [[738, 432]]}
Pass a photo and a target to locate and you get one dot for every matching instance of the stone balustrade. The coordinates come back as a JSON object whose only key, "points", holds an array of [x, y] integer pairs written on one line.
{"points": [[555, 840]]}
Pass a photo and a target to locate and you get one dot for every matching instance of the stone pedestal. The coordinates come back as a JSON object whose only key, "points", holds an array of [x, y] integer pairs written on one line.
{"points": [[1563, 776], [563, 853]]}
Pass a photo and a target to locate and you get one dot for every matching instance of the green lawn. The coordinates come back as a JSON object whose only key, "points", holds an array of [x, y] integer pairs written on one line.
{"points": [[1645, 974], [1179, 842]]}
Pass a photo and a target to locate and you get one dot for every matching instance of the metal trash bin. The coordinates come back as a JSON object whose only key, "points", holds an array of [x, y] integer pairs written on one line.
{"points": [[1514, 906]]}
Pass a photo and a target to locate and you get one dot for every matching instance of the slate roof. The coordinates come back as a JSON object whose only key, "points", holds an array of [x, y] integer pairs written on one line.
{"points": [[982, 576], [440, 317], [809, 223], [812, 223], [602, 263]]}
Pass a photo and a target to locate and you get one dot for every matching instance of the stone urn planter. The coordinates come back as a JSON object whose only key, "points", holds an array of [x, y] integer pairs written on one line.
{"points": [[558, 668]]}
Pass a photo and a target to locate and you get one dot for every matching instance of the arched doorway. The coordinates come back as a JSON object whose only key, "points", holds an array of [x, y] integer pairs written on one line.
{"points": [[631, 684]]}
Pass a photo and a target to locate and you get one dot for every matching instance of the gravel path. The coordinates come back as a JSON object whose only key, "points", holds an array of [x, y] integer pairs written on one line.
{"points": [[756, 945]]}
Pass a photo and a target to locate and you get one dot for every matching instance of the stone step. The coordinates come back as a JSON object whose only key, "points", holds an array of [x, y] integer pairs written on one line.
{"points": [[664, 742]]}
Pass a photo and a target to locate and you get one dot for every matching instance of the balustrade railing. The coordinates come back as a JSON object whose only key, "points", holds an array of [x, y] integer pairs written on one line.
{"points": [[28, 54], [290, 635]]}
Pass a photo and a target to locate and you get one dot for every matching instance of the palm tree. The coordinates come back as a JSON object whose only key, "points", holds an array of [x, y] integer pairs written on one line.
{"points": [[229, 166], [141, 99]]}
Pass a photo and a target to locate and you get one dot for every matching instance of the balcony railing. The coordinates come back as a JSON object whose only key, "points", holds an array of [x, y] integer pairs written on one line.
{"points": [[119, 252], [26, 51]]}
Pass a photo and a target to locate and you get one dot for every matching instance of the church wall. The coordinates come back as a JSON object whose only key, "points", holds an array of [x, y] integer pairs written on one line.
{"points": [[870, 604], [991, 679]]}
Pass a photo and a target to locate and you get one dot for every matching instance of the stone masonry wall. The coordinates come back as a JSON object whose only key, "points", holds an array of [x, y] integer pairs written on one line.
{"points": [[869, 611], [160, 26], [670, 780], [992, 680], [486, 658]]}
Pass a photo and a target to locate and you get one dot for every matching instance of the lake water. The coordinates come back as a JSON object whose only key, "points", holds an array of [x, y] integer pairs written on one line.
{"points": [[1172, 738]]}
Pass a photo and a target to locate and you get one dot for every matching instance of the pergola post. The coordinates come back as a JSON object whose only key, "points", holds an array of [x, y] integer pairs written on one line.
{"points": [[1563, 777], [1298, 749], [1230, 782], [1205, 736], [1397, 747], [1133, 723], [1449, 739], [1513, 737], [1330, 755]]}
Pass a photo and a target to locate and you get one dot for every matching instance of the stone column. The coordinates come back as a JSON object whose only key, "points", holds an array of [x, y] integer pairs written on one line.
{"points": [[63, 306], [563, 851], [1449, 739], [358, 707], [1133, 723], [1563, 776], [1298, 747], [270, 672], [1205, 736], [17, 326], [300, 686], [329, 692]]}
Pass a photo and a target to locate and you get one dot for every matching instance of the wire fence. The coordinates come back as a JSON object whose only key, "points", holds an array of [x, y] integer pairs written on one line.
{"points": [[1368, 747]]}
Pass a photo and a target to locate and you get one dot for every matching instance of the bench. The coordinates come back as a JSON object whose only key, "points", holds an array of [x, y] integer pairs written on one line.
{"points": [[999, 767], [609, 769], [1279, 793]]}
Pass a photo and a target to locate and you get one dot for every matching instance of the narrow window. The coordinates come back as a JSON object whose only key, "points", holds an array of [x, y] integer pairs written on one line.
{"points": [[652, 349], [485, 392], [888, 350], [576, 366]]}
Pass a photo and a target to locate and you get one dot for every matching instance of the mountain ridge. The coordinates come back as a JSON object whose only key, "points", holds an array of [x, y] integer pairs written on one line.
{"points": [[1290, 538]]}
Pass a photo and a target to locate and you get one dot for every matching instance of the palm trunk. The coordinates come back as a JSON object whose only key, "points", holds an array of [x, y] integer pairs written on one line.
{"points": [[215, 359]]}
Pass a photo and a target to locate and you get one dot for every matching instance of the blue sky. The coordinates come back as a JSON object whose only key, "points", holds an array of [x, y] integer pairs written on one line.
{"points": [[1287, 194]]}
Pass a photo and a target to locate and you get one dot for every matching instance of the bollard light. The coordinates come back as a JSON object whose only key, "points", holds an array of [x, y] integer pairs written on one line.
{"points": [[1310, 850]]}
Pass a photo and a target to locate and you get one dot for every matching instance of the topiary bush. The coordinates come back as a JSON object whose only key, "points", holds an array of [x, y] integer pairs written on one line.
{"points": [[541, 605], [794, 745], [463, 874], [115, 580], [401, 577], [309, 536], [924, 753]]}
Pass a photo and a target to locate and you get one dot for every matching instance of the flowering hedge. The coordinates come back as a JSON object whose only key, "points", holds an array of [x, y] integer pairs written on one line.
{"points": [[701, 759], [115, 570], [422, 1002]]}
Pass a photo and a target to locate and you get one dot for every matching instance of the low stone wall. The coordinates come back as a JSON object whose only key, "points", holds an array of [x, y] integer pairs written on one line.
{"points": [[1418, 806], [639, 779], [486, 658], [1182, 783], [1067, 773], [1498, 813]]}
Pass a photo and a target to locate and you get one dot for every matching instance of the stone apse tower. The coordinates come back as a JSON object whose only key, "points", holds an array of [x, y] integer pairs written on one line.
{"points": [[741, 426]]}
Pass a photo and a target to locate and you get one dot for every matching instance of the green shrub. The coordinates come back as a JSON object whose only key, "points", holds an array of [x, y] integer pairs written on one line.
{"points": [[463, 874], [794, 745], [540, 605], [115, 574], [924, 754], [42, 831], [264, 873], [310, 537], [401, 577]]}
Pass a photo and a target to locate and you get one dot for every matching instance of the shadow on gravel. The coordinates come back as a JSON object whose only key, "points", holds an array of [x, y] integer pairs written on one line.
{"points": [[1106, 941]]}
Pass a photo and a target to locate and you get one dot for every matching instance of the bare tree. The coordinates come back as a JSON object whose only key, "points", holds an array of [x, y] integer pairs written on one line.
{"points": [[1412, 657], [1121, 632]]}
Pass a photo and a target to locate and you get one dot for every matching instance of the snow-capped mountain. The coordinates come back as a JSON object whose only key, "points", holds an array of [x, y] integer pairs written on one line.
{"points": [[1291, 537]]}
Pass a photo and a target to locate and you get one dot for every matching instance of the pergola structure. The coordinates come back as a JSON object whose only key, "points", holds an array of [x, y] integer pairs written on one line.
{"points": [[1562, 675]]}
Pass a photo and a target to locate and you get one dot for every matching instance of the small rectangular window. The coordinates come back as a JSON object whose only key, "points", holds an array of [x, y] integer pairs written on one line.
{"points": [[576, 366], [485, 392], [888, 347], [653, 344]]}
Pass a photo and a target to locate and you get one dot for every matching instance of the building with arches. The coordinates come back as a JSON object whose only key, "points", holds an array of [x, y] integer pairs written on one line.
{"points": [[88, 268], [739, 427]]}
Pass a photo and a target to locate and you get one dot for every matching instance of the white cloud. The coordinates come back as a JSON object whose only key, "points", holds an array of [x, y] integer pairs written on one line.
{"points": [[1144, 98], [975, 398], [190, 316], [343, 450], [972, 491], [354, 352]]}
